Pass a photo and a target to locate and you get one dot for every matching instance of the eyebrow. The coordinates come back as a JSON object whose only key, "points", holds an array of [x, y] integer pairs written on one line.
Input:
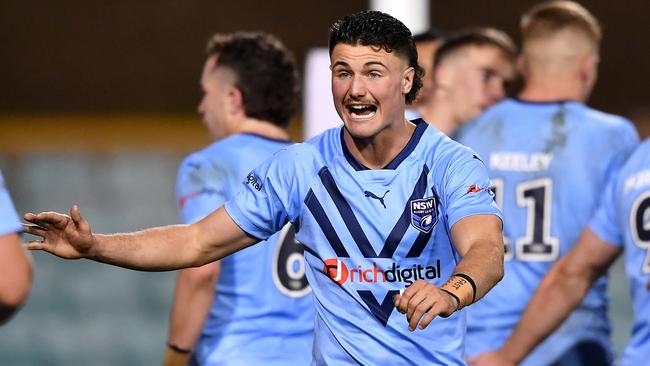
{"points": [[367, 64]]}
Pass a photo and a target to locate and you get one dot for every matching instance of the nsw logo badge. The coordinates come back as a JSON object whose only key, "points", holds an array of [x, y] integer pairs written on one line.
{"points": [[424, 214]]}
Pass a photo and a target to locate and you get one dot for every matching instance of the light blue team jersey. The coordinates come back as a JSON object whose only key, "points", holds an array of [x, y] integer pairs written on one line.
{"points": [[9, 222], [623, 219], [369, 233], [549, 163], [263, 313]]}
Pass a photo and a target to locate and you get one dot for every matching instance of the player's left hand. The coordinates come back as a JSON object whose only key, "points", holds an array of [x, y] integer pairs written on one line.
{"points": [[490, 359], [422, 302]]}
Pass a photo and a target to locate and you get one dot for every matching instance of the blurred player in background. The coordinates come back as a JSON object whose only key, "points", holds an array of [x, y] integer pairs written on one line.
{"points": [[550, 157], [426, 43], [262, 311], [471, 71], [15, 266], [621, 222], [382, 205]]}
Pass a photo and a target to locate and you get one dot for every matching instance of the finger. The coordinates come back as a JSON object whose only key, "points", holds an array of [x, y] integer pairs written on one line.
{"points": [[419, 311], [397, 299], [51, 219], [78, 220], [36, 245], [30, 217], [406, 296], [415, 301], [34, 230], [433, 312]]}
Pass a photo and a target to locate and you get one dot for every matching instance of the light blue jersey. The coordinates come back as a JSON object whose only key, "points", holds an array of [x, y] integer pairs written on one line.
{"points": [[369, 233], [9, 222], [549, 163], [623, 219], [263, 313]]}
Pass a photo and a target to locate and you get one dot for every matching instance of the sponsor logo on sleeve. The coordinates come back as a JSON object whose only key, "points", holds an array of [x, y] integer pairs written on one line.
{"points": [[253, 181]]}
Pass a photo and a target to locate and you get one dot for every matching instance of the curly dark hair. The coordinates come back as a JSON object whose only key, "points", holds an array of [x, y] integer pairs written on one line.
{"points": [[265, 70], [377, 29]]}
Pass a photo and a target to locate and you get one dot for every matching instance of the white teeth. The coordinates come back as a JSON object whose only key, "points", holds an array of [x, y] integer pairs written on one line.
{"points": [[359, 106], [362, 116]]}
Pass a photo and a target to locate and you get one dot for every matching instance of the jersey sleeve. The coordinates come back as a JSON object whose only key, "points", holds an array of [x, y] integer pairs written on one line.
{"points": [[468, 188], [201, 187], [9, 222], [270, 195], [603, 223]]}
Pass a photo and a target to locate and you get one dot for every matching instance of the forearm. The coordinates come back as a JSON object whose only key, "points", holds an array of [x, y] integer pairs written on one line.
{"points": [[193, 298], [559, 293], [155, 249], [483, 263], [479, 241]]}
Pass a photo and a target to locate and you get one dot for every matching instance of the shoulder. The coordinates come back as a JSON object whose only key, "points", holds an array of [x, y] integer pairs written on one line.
{"points": [[439, 148], [607, 121]]}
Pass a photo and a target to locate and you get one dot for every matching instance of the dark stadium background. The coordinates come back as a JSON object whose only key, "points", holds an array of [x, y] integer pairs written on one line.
{"points": [[97, 107]]}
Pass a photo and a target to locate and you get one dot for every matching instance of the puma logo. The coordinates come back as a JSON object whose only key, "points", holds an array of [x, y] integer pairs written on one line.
{"points": [[372, 195]]}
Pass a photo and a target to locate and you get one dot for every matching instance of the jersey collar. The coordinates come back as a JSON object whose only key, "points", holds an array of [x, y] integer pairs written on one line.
{"points": [[420, 127]]}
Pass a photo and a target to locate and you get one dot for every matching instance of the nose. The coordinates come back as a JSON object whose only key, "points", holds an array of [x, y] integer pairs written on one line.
{"points": [[357, 88]]}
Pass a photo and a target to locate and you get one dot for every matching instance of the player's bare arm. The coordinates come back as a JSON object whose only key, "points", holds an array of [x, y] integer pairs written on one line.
{"points": [[16, 275], [561, 291], [193, 298], [479, 240], [155, 249]]}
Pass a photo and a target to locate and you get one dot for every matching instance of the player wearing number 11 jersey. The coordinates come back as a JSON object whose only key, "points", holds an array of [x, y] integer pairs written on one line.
{"points": [[549, 158]]}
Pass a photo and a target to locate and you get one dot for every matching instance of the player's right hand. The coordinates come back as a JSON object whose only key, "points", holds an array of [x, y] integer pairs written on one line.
{"points": [[65, 236]]}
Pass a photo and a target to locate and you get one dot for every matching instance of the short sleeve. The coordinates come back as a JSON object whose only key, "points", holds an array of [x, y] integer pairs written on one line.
{"points": [[271, 194], [201, 187], [468, 188], [9, 222], [603, 223]]}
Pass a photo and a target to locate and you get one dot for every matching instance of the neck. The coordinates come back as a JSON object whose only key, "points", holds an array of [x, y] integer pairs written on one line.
{"points": [[439, 114], [377, 151], [553, 88], [262, 128]]}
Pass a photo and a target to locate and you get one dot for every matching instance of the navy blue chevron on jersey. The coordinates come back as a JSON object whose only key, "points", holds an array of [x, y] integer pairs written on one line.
{"points": [[623, 219], [368, 233], [263, 312], [549, 163]]}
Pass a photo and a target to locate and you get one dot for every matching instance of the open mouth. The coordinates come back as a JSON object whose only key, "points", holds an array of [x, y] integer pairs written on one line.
{"points": [[362, 111]]}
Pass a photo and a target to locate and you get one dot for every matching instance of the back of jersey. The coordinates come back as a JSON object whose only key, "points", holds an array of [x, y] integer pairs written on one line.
{"points": [[549, 163], [263, 312], [624, 219]]}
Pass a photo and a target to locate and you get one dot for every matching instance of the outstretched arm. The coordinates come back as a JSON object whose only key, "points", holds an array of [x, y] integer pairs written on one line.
{"points": [[561, 291], [157, 249], [15, 275], [479, 240]]}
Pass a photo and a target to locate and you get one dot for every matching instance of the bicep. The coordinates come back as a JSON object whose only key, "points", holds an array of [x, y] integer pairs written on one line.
{"points": [[477, 230], [218, 235]]}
